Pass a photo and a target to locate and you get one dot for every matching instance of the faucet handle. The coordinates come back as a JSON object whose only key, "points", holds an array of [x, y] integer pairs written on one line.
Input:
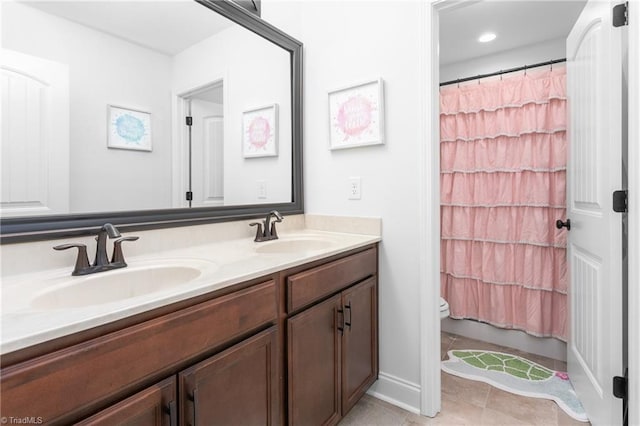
{"points": [[272, 232], [117, 256], [259, 233], [277, 215], [82, 261]]}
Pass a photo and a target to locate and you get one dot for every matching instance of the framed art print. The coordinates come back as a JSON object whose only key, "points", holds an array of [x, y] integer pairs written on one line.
{"points": [[356, 115], [128, 129], [260, 132]]}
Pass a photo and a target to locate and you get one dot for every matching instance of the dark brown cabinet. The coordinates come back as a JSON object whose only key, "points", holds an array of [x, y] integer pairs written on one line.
{"points": [[299, 346], [332, 348], [70, 384], [154, 406], [235, 387], [314, 365], [359, 342]]}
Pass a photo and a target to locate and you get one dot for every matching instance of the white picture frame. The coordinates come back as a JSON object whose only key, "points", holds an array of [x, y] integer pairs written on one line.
{"points": [[260, 132], [128, 128], [356, 115]]}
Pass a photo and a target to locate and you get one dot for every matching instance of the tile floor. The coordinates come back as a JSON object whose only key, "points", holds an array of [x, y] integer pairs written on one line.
{"points": [[468, 402]]}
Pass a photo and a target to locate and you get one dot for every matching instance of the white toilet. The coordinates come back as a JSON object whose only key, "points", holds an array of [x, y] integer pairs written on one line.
{"points": [[444, 308]]}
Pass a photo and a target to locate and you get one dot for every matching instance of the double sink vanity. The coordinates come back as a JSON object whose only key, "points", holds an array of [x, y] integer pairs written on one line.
{"points": [[202, 317], [222, 331]]}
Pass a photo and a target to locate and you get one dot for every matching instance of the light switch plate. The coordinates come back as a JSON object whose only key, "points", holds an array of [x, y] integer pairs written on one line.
{"points": [[261, 187], [355, 186]]}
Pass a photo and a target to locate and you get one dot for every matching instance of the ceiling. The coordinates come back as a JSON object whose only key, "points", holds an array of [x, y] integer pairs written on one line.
{"points": [[517, 23], [168, 27]]}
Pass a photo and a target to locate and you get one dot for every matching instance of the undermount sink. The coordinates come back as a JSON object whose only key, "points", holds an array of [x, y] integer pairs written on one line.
{"points": [[118, 285], [292, 245]]}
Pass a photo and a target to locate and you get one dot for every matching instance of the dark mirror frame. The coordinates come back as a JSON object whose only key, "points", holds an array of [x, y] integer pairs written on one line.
{"points": [[34, 228], [252, 6]]}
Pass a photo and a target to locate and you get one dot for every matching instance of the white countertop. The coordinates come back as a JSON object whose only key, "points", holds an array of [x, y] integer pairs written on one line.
{"points": [[221, 264]]}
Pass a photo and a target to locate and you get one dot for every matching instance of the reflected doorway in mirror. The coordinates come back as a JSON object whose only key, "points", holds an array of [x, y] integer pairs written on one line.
{"points": [[260, 132]]}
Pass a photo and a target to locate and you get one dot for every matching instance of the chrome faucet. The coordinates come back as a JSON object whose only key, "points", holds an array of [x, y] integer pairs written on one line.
{"points": [[266, 230], [101, 262]]}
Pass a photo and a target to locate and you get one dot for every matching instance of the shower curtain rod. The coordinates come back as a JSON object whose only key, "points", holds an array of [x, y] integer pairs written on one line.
{"points": [[526, 67]]}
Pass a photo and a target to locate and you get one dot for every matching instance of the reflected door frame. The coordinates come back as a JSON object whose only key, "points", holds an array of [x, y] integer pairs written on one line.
{"points": [[180, 137]]}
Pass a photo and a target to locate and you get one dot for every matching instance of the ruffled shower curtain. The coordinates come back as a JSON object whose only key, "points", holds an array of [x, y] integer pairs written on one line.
{"points": [[503, 172]]}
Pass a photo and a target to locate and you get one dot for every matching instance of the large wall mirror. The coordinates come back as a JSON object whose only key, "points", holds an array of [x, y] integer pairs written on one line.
{"points": [[145, 114]]}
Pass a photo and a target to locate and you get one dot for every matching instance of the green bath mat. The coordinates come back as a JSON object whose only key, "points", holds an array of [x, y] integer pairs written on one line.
{"points": [[517, 375]]}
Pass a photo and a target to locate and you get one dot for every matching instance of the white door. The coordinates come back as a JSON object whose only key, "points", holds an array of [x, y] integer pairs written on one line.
{"points": [[207, 141], [35, 135], [595, 240]]}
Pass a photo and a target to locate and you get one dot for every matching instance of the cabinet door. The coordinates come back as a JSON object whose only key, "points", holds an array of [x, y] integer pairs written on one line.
{"points": [[314, 364], [154, 406], [360, 341], [238, 386]]}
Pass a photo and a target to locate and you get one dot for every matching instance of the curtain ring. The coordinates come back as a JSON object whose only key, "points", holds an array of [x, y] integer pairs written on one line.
{"points": [[551, 66], [501, 75], [525, 70], [478, 79], [458, 81]]}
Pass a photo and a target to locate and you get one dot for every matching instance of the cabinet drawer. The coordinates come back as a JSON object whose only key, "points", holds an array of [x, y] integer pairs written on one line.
{"points": [[314, 284], [71, 383]]}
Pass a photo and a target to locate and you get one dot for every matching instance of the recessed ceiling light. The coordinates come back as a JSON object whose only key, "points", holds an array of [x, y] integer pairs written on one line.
{"points": [[486, 37]]}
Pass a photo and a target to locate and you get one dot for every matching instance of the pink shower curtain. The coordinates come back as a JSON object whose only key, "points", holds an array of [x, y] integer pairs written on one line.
{"points": [[503, 172]]}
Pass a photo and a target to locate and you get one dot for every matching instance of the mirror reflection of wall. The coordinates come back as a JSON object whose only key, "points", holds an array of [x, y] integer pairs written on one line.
{"points": [[144, 56]]}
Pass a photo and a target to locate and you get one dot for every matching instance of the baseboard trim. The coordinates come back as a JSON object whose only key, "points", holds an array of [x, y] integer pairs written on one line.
{"points": [[397, 391], [545, 346]]}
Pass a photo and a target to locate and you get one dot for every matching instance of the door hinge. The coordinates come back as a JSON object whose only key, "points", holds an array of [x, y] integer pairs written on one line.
{"points": [[189, 121], [620, 201], [620, 15], [620, 387], [189, 196]]}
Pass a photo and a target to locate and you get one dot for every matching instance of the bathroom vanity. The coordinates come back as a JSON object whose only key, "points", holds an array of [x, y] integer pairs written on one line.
{"points": [[204, 326], [294, 345]]}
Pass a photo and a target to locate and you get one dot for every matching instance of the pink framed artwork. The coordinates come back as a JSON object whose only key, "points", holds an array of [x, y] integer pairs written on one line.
{"points": [[356, 115], [260, 132]]}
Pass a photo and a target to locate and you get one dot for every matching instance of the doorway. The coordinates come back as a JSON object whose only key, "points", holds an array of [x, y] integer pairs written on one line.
{"points": [[433, 13], [201, 145]]}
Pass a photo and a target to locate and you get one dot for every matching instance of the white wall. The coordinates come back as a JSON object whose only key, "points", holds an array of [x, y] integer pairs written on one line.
{"points": [[525, 55], [256, 73], [103, 70], [348, 42]]}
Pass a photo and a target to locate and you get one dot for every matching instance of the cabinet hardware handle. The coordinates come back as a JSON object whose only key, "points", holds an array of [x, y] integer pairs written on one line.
{"points": [[170, 410], [341, 323], [348, 323], [193, 397]]}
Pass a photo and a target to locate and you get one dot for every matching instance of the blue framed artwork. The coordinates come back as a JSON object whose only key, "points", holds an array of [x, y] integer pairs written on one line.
{"points": [[128, 129]]}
